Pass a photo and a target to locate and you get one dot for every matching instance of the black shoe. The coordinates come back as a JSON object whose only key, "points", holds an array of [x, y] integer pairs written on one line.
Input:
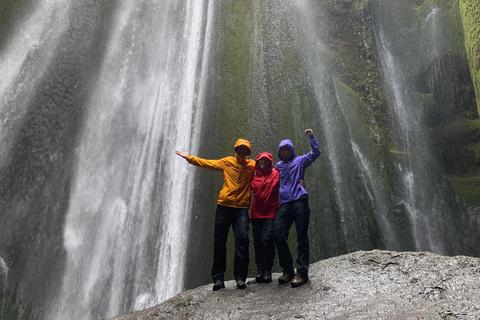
{"points": [[286, 276], [241, 284], [218, 284], [259, 277], [299, 280], [267, 276]]}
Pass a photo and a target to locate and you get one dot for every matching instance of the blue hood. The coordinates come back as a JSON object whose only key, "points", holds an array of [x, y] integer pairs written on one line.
{"points": [[289, 144]]}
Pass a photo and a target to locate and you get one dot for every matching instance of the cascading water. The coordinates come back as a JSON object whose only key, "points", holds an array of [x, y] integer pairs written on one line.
{"points": [[25, 58], [424, 190], [127, 221], [3, 273], [126, 231], [339, 145], [96, 96]]}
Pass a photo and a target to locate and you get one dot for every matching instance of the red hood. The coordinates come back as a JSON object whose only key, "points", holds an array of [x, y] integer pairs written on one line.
{"points": [[266, 170]]}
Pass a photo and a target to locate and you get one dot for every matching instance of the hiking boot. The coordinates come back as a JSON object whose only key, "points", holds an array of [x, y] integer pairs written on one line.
{"points": [[286, 276], [259, 277], [218, 284], [267, 276], [241, 284], [299, 280]]}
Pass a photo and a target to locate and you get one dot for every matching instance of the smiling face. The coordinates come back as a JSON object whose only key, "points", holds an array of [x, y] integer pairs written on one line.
{"points": [[264, 163], [285, 152]]}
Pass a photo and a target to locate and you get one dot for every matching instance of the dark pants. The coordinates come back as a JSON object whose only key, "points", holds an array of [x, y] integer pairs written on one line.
{"points": [[238, 219], [295, 211], [263, 241]]}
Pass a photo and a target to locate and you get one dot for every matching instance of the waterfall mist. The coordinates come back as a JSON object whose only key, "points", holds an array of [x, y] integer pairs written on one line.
{"points": [[434, 213], [124, 214], [99, 217]]}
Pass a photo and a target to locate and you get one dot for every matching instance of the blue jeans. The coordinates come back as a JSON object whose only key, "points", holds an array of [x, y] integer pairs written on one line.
{"points": [[263, 241], [238, 219], [296, 211]]}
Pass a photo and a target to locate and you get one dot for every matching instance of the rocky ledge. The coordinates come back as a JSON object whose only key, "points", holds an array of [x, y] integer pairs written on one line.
{"points": [[361, 285]]}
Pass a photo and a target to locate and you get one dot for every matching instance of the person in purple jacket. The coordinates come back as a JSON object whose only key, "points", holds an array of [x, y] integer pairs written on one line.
{"points": [[293, 208]]}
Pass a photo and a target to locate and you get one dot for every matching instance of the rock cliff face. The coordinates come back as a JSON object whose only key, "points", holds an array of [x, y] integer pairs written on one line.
{"points": [[96, 96], [361, 285]]}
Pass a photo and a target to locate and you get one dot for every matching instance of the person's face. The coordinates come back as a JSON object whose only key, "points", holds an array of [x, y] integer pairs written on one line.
{"points": [[285, 152], [242, 151], [264, 163]]}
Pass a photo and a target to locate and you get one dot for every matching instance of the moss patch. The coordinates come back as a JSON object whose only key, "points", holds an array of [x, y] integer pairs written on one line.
{"points": [[4, 5], [470, 10], [462, 158], [468, 187], [235, 69]]}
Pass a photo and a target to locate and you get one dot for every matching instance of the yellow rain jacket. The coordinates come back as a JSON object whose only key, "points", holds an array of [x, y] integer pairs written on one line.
{"points": [[237, 175]]}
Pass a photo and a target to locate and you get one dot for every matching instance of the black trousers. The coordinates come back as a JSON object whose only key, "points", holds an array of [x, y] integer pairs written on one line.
{"points": [[239, 220], [263, 241], [296, 211]]}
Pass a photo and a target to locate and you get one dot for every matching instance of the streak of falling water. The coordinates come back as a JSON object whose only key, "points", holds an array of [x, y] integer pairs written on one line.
{"points": [[126, 228], [425, 196], [32, 44]]}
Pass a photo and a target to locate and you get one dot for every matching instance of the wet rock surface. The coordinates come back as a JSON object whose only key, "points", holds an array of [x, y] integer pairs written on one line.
{"points": [[361, 285]]}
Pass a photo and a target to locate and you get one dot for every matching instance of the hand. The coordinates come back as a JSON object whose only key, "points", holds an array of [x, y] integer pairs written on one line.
{"points": [[309, 132], [182, 154], [302, 183]]}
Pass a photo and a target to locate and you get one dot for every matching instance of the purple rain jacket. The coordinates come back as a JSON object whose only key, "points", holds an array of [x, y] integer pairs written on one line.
{"points": [[292, 170]]}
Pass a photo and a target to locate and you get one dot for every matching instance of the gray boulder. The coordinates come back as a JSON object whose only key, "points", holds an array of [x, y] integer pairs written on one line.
{"points": [[361, 285]]}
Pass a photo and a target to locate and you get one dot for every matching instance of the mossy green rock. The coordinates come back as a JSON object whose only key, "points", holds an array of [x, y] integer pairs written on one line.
{"points": [[470, 10]]}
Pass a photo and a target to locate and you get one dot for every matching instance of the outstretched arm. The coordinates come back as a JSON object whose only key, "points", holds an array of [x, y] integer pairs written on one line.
{"points": [[215, 165], [182, 154]]}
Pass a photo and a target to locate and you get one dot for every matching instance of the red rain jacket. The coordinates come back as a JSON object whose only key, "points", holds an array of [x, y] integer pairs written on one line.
{"points": [[265, 186]]}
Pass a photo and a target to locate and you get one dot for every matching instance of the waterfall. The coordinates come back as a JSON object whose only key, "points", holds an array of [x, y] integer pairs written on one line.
{"points": [[424, 191], [3, 273], [126, 227], [340, 147], [97, 211], [24, 59], [126, 224]]}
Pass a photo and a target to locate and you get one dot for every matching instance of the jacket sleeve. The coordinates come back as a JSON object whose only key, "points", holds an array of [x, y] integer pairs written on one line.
{"points": [[278, 166], [214, 165], [311, 156]]}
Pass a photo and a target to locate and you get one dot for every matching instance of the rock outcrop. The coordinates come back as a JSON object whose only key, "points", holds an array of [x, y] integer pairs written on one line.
{"points": [[361, 285]]}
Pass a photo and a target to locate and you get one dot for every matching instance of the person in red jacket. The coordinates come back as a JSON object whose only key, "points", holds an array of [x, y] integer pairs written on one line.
{"points": [[265, 186]]}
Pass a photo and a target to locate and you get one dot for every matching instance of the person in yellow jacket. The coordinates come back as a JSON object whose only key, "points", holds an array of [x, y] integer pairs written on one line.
{"points": [[232, 210]]}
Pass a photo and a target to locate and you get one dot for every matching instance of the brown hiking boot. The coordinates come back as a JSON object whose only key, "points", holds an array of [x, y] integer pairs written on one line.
{"points": [[299, 280], [286, 276]]}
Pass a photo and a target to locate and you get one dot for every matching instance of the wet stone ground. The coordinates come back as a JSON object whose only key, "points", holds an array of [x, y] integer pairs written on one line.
{"points": [[361, 285]]}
